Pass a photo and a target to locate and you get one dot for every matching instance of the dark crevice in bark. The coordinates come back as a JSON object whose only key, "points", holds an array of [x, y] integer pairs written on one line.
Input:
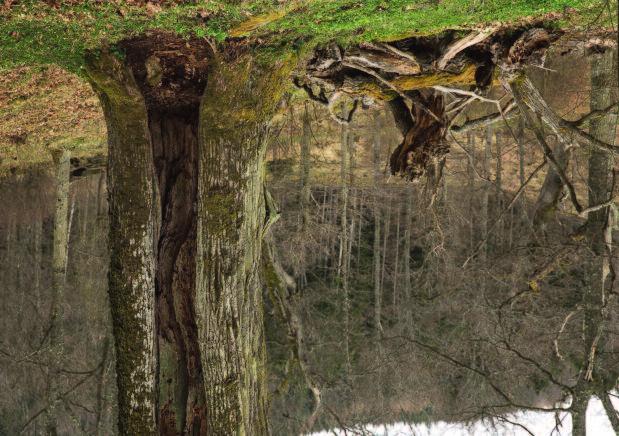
{"points": [[181, 402], [423, 129], [171, 73]]}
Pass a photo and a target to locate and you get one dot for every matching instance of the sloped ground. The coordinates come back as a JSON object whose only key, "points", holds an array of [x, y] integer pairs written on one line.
{"points": [[46, 108]]}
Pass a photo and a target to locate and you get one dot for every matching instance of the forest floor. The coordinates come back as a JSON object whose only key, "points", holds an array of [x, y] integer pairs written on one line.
{"points": [[46, 104], [59, 31]]}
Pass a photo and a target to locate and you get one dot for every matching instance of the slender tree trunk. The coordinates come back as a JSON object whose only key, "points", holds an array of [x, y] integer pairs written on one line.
{"points": [[101, 391], [38, 259], [521, 151], [579, 415], [59, 267], [498, 206], [471, 174], [396, 260], [486, 195], [377, 223], [594, 293], [611, 412], [305, 185], [344, 234], [133, 210], [406, 249], [237, 106], [386, 228], [603, 93]]}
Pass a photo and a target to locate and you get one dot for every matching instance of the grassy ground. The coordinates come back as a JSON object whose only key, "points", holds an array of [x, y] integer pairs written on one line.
{"points": [[32, 32], [46, 108], [42, 107]]}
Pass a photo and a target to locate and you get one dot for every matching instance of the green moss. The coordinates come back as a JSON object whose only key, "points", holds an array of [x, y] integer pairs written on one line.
{"points": [[351, 21], [34, 33], [221, 209]]}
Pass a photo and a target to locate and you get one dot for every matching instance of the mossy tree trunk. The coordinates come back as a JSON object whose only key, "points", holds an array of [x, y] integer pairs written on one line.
{"points": [[237, 106], [166, 328], [134, 218]]}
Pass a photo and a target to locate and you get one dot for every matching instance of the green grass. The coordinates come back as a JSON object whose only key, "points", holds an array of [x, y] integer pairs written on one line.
{"points": [[33, 33], [350, 21]]}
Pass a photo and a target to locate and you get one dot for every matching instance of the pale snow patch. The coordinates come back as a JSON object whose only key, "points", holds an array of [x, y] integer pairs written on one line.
{"points": [[538, 423]]}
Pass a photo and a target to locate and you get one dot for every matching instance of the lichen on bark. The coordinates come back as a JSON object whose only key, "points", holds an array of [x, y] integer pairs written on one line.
{"points": [[239, 101], [133, 206]]}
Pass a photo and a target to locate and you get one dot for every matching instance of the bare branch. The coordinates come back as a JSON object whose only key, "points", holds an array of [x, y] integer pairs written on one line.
{"points": [[548, 153], [611, 412], [462, 44], [563, 325], [593, 114], [448, 90], [509, 206], [565, 131], [487, 120]]}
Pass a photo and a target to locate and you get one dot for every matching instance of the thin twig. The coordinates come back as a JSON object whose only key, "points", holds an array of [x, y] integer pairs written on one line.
{"points": [[511, 204], [563, 325]]}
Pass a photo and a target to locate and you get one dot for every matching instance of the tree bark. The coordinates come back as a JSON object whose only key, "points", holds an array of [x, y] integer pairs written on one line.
{"points": [[237, 106], [134, 218], [595, 295], [552, 188], [423, 129], [377, 223], [306, 193], [181, 406], [345, 171], [59, 268], [611, 412], [579, 415], [408, 234], [485, 206]]}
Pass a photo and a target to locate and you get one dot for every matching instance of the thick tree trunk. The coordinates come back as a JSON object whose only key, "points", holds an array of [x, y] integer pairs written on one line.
{"points": [[423, 129], [133, 209], [190, 359], [238, 103]]}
